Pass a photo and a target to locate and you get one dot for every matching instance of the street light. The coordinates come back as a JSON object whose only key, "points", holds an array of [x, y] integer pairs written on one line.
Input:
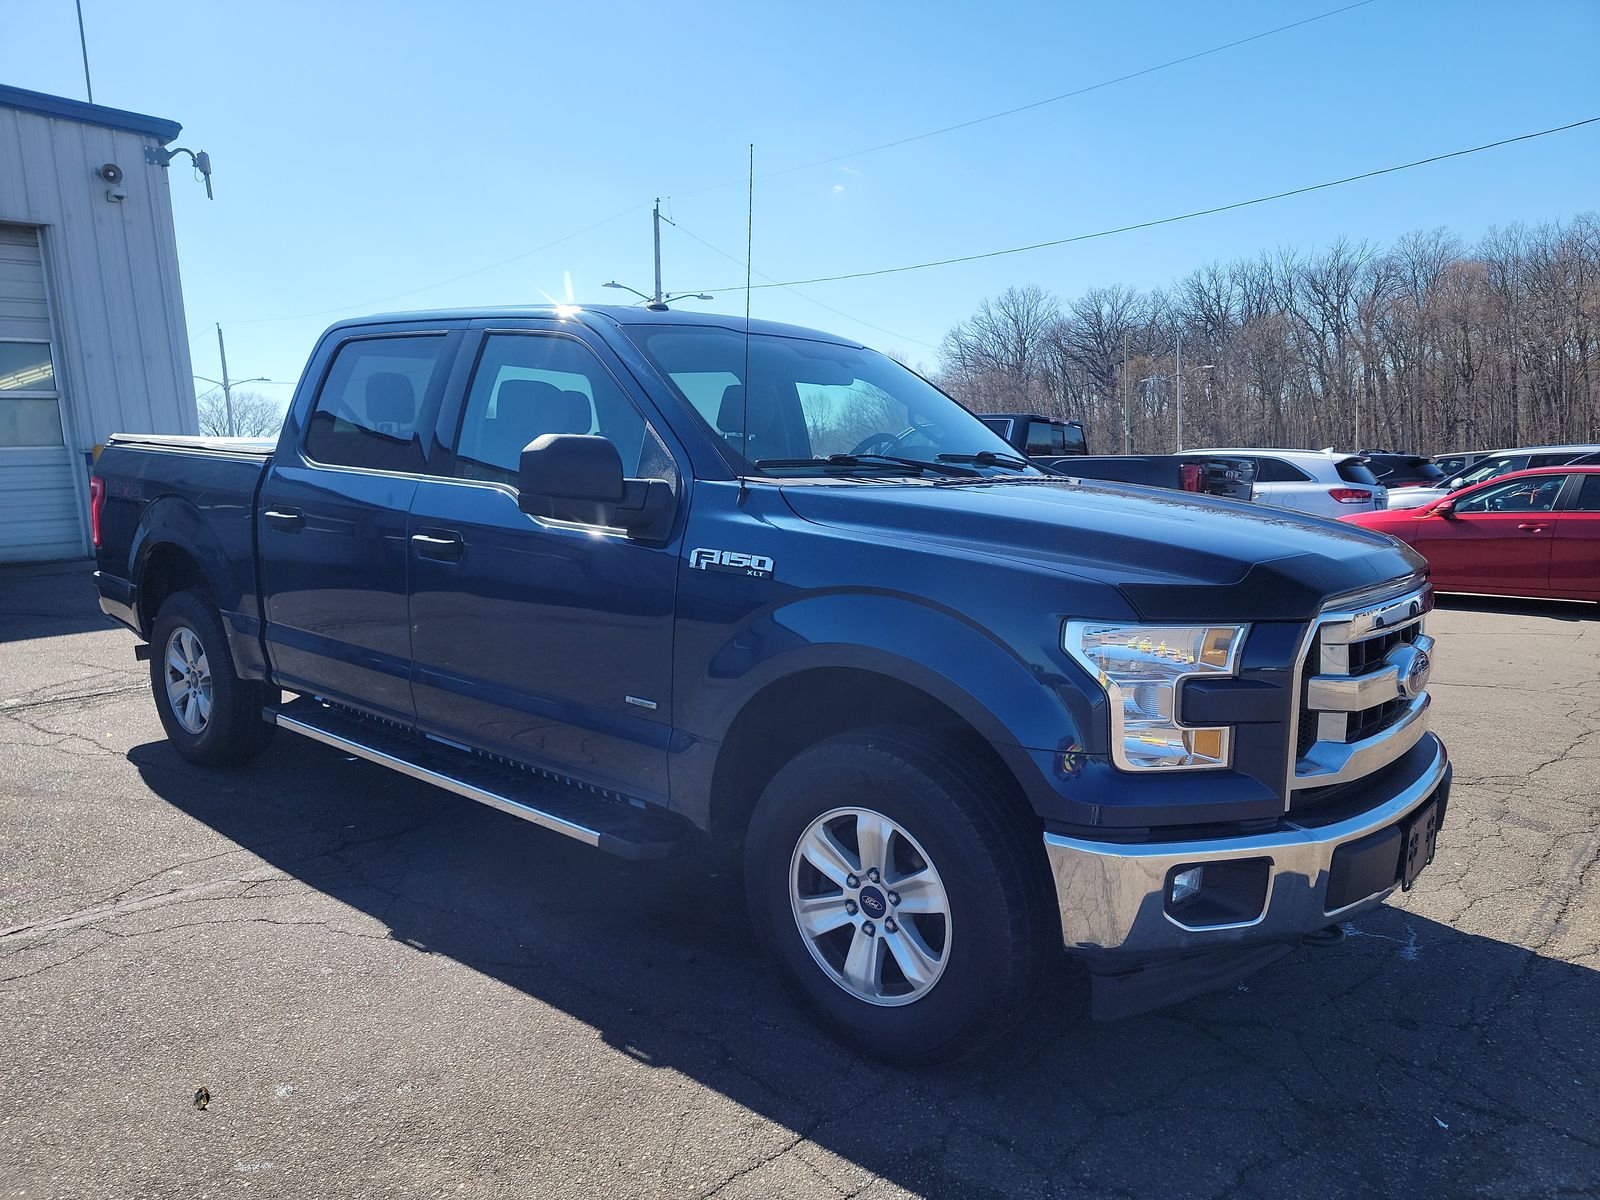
{"points": [[227, 385], [1177, 378], [658, 302]]}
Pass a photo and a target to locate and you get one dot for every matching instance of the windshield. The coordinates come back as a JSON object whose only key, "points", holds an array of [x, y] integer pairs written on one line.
{"points": [[809, 400], [1485, 470]]}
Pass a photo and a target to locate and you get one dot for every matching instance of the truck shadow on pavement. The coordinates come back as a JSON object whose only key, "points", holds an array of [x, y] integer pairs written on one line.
{"points": [[1411, 1059]]}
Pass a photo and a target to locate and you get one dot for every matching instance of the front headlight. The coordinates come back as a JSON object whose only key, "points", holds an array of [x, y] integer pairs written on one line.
{"points": [[1140, 668]]}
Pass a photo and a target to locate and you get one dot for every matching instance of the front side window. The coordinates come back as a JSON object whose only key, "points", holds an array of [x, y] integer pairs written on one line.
{"points": [[528, 385], [806, 400], [368, 410], [1537, 494]]}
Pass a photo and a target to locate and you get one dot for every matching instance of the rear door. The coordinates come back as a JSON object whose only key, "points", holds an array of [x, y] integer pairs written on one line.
{"points": [[547, 642], [1575, 545], [331, 525], [1498, 540]]}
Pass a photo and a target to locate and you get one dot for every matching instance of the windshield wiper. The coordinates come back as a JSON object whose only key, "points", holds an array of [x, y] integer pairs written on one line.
{"points": [[988, 458], [877, 461]]}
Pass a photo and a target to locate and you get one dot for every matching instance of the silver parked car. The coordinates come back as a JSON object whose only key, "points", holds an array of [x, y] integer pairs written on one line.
{"points": [[1489, 466]]}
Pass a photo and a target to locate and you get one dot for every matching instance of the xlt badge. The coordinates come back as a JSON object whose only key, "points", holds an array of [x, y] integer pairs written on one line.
{"points": [[758, 566]]}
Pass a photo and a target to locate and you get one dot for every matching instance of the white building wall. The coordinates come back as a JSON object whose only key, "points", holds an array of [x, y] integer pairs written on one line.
{"points": [[120, 343], [111, 269]]}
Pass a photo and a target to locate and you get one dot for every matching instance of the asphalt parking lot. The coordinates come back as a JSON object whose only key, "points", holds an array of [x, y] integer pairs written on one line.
{"points": [[389, 991]]}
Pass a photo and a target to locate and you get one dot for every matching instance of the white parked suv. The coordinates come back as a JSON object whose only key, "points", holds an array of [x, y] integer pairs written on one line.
{"points": [[1324, 483]]}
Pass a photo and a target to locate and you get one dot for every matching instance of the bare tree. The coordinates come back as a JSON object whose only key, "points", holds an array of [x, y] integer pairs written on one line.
{"points": [[254, 415], [1428, 345]]}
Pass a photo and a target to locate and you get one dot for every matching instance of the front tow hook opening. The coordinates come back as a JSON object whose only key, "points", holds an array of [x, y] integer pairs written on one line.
{"points": [[1328, 935]]}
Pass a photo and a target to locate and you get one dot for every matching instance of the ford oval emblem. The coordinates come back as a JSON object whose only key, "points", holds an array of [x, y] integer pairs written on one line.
{"points": [[1412, 672]]}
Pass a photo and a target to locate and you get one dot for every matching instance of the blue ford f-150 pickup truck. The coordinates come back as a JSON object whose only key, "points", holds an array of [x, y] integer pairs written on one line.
{"points": [[651, 579]]}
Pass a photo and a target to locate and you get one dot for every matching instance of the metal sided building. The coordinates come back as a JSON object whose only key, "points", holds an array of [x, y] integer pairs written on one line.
{"points": [[92, 334]]}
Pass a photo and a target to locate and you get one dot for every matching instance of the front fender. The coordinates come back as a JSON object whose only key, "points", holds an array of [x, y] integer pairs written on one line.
{"points": [[985, 681]]}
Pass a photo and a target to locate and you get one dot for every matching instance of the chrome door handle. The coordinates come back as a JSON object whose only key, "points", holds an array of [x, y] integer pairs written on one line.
{"points": [[290, 521], [1532, 528], [446, 547]]}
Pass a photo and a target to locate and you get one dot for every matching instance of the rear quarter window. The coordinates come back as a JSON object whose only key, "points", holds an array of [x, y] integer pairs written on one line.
{"points": [[1276, 470]]}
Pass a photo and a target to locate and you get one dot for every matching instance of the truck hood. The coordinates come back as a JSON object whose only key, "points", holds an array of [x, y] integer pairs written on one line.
{"points": [[1172, 555]]}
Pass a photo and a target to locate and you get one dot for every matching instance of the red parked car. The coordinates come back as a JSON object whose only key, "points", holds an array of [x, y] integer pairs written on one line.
{"points": [[1531, 533]]}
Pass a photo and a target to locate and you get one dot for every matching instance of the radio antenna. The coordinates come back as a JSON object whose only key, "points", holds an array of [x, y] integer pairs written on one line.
{"points": [[744, 392]]}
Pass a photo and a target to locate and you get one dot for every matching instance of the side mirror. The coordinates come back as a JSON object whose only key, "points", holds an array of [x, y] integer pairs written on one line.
{"points": [[578, 477], [1446, 508]]}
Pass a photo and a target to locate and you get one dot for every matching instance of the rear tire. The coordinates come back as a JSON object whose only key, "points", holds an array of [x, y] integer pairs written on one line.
{"points": [[949, 930], [211, 716]]}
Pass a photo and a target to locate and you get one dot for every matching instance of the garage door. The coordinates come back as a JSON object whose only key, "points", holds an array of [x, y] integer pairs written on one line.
{"points": [[39, 508]]}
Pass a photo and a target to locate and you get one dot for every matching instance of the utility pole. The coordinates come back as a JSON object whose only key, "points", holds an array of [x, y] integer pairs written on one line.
{"points": [[1127, 413], [227, 388], [656, 300], [1180, 388]]}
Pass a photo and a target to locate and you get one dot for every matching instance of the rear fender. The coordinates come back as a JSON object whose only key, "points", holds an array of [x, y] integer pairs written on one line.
{"points": [[175, 522]]}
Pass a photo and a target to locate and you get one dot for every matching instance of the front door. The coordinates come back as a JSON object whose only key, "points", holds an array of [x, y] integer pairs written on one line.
{"points": [[1497, 540], [331, 524], [546, 642]]}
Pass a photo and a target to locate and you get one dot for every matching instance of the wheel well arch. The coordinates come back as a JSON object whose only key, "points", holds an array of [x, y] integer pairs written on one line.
{"points": [[167, 569], [804, 708]]}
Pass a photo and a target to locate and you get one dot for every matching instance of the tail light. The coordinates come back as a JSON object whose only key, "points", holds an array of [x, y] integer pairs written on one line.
{"points": [[97, 501], [1351, 495], [1189, 477]]}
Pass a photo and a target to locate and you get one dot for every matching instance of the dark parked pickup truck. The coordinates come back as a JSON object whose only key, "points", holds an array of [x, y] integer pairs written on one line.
{"points": [[652, 581]]}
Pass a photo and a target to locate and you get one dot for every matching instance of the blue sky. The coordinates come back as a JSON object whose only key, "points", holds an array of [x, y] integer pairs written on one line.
{"points": [[364, 149]]}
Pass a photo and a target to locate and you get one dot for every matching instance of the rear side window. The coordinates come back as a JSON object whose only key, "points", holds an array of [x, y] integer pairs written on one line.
{"points": [[1353, 470], [1559, 459], [367, 412], [1275, 470], [1046, 439], [1589, 494]]}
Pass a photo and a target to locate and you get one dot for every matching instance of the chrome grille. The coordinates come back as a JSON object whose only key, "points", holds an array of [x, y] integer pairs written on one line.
{"points": [[1362, 677]]}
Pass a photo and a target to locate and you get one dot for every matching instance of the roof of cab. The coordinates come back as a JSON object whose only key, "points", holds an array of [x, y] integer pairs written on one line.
{"points": [[618, 314]]}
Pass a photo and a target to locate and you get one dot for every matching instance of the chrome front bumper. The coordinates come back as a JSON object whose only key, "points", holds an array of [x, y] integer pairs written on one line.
{"points": [[1113, 897]]}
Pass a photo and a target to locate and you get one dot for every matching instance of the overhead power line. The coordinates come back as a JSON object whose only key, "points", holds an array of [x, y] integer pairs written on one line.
{"points": [[1033, 104], [1188, 216], [795, 291]]}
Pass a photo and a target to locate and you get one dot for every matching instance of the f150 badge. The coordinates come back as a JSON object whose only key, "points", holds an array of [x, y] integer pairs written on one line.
{"points": [[758, 566]]}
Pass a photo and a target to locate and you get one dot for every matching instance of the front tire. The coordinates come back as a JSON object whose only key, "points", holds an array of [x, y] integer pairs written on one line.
{"points": [[211, 716], [900, 888]]}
